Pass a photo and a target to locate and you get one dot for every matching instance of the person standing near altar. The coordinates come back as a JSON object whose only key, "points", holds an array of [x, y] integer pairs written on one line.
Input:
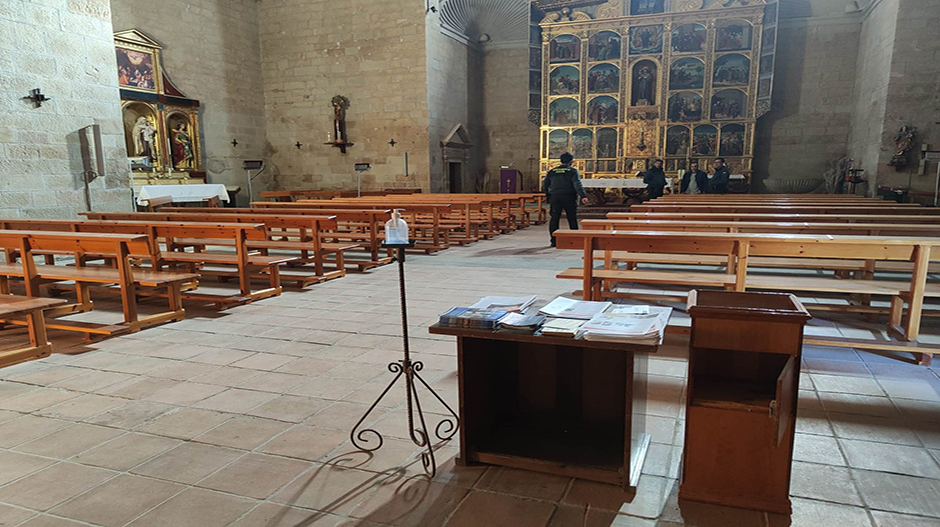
{"points": [[562, 187], [718, 183], [694, 181], [655, 179]]}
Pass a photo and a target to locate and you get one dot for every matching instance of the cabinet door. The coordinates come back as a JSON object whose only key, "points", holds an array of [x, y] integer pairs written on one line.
{"points": [[783, 407]]}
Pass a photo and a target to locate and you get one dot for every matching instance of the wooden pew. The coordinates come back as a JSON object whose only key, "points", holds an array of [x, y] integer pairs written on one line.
{"points": [[152, 204], [789, 209], [306, 228], [775, 217], [26, 245], [246, 264], [739, 248], [361, 227], [436, 239], [32, 309]]}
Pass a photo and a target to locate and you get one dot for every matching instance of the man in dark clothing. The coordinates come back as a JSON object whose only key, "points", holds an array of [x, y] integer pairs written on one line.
{"points": [[562, 187], [718, 184], [696, 176], [655, 179]]}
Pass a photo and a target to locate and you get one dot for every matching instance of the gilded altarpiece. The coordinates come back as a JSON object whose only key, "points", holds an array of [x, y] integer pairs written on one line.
{"points": [[621, 89], [161, 124]]}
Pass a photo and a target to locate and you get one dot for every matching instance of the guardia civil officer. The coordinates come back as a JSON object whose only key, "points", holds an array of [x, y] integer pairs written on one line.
{"points": [[562, 187]]}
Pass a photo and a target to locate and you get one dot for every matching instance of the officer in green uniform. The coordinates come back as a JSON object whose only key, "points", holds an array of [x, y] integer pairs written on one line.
{"points": [[562, 187]]}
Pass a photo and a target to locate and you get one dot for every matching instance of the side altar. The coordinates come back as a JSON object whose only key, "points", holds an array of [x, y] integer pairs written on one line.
{"points": [[624, 82], [161, 124]]}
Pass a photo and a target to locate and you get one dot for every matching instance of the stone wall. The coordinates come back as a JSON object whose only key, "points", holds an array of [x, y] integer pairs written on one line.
{"points": [[510, 138], [876, 48], [913, 95], [211, 53], [65, 48], [371, 52], [814, 77]]}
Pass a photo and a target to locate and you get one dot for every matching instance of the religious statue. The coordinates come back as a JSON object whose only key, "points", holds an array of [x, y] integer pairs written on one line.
{"points": [[903, 140], [143, 138], [182, 147], [340, 104], [643, 88]]}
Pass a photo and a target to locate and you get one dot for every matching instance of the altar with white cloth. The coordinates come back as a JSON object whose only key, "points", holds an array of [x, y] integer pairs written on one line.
{"points": [[181, 193]]}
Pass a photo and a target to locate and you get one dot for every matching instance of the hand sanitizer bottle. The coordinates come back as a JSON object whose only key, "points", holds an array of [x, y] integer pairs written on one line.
{"points": [[396, 230]]}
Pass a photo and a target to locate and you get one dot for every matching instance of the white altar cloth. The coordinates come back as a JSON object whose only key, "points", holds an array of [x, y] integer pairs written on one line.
{"points": [[180, 193]]}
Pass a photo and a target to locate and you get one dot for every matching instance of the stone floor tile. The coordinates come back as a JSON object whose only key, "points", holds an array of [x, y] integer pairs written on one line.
{"points": [[235, 400], [255, 475], [343, 415], [843, 384], [70, 441], [892, 519], [497, 510], [410, 502], [305, 442], [264, 361], [647, 501], [918, 411], [50, 375], [912, 389], [868, 428], [12, 389], [187, 463], [811, 512], [899, 493], [887, 457], [51, 486], [310, 366], [185, 393], [273, 382], [858, 404], [82, 407], [50, 521], [131, 415], [330, 489], [118, 501], [221, 356], [127, 451], [524, 483], [10, 515], [195, 508], [817, 449], [93, 381], [185, 423], [227, 376], [182, 371], [37, 399], [27, 428], [273, 515], [823, 482], [326, 388], [138, 387], [291, 408], [14, 465], [243, 432]]}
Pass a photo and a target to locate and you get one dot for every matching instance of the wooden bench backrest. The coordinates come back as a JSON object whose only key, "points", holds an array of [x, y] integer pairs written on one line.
{"points": [[772, 245], [194, 219], [361, 215], [882, 229], [788, 209], [71, 242], [812, 218]]}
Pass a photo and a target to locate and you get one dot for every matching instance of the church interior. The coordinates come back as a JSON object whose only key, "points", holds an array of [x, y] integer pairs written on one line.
{"points": [[469, 263]]}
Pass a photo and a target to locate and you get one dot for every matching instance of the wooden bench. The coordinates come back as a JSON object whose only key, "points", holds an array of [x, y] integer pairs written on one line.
{"points": [[775, 217], [362, 227], [739, 248], [789, 209], [306, 230], [32, 309], [25, 246], [152, 204]]}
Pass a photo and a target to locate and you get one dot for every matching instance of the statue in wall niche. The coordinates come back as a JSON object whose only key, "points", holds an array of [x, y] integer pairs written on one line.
{"points": [[903, 141], [182, 147], [340, 105], [143, 138]]}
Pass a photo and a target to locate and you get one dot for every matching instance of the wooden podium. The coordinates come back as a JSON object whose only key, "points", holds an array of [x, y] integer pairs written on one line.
{"points": [[552, 404], [743, 383]]}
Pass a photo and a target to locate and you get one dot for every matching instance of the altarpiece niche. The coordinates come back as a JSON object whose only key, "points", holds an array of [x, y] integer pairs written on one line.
{"points": [[628, 81], [161, 125]]}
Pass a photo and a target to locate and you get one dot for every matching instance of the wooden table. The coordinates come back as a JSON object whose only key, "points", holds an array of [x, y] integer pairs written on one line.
{"points": [[552, 404]]}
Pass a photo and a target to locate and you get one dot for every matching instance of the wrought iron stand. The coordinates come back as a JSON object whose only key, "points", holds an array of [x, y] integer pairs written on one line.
{"points": [[408, 369]]}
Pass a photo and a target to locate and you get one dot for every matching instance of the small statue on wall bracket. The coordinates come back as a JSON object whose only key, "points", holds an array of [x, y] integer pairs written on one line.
{"points": [[903, 141], [340, 140]]}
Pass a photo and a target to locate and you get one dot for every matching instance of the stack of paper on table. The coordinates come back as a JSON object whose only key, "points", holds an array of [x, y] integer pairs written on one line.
{"points": [[628, 324], [506, 303], [519, 323], [561, 327], [567, 308]]}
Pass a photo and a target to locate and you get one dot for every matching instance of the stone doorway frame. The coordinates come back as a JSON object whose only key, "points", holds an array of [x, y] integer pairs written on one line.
{"points": [[455, 148]]}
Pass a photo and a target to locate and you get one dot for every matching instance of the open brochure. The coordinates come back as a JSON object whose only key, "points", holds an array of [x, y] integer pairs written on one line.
{"points": [[506, 303], [633, 324], [567, 308]]}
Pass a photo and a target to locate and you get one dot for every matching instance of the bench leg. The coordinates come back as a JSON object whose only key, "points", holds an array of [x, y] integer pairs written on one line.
{"points": [[4, 285]]}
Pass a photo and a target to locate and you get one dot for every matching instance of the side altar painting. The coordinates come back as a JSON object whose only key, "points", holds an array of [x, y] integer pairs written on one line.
{"points": [[161, 125], [626, 82]]}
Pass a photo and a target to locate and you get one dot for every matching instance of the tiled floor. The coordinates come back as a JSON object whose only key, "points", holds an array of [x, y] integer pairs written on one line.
{"points": [[242, 418]]}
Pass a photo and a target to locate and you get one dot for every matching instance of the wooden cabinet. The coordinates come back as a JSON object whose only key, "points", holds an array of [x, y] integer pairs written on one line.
{"points": [[552, 404], [743, 384]]}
